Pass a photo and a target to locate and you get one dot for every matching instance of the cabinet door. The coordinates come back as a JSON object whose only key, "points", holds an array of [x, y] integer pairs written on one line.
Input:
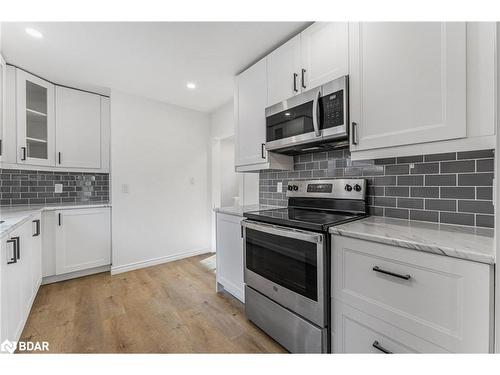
{"points": [[11, 288], [354, 331], [324, 53], [36, 252], [407, 82], [230, 255], [283, 71], [251, 91], [3, 84], [78, 128], [25, 259], [35, 120], [83, 239]]}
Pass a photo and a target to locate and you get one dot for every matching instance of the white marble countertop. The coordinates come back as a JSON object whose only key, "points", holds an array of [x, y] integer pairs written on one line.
{"points": [[240, 210], [470, 243], [14, 216]]}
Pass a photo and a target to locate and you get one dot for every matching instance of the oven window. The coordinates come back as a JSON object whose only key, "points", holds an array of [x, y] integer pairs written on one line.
{"points": [[288, 262], [289, 123]]}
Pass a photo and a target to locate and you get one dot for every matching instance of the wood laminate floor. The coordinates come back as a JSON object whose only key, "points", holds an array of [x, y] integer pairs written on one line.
{"points": [[169, 308]]}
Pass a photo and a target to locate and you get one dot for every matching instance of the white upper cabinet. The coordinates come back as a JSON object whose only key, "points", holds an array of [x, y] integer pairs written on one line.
{"points": [[324, 53], [283, 72], [250, 104], [52, 126], [35, 120], [407, 83], [317, 55], [78, 128], [251, 122], [3, 86]]}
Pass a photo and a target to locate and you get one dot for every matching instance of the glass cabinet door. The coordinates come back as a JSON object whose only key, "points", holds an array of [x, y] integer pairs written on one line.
{"points": [[35, 120]]}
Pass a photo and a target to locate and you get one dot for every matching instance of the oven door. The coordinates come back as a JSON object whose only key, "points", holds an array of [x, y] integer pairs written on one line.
{"points": [[287, 266]]}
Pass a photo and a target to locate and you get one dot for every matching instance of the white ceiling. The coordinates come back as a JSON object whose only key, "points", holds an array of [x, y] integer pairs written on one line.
{"points": [[149, 59]]}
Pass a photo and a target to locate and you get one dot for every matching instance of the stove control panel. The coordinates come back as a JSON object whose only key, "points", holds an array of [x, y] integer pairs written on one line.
{"points": [[334, 188]]}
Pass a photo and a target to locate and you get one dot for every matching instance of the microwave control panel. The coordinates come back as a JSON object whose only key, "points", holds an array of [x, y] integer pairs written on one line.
{"points": [[332, 109]]}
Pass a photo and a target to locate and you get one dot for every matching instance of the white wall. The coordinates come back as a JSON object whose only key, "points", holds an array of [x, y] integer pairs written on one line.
{"points": [[228, 176], [222, 121], [161, 152], [222, 126]]}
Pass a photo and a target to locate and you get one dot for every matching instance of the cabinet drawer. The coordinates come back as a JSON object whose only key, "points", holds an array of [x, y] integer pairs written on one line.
{"points": [[440, 299], [356, 332]]}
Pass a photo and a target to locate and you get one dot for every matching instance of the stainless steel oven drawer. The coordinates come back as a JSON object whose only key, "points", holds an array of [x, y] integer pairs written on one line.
{"points": [[294, 333]]}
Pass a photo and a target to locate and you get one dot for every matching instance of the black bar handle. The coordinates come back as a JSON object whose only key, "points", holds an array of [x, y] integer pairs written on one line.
{"points": [[262, 150], [295, 89], [385, 272], [354, 133], [377, 346], [59, 157], [37, 231], [23, 153], [14, 257], [59, 219], [303, 83], [17, 247]]}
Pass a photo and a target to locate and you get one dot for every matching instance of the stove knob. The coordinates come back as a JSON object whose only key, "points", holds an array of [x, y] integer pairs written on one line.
{"points": [[357, 187], [348, 187], [295, 187], [290, 187]]}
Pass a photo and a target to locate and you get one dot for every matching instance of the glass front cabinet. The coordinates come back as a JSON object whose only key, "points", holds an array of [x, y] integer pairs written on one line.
{"points": [[35, 120]]}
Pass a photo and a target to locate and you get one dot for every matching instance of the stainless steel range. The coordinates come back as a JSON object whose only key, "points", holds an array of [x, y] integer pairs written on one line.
{"points": [[287, 261]]}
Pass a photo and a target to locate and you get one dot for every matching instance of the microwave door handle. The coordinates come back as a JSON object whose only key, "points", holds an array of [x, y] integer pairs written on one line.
{"points": [[315, 114]]}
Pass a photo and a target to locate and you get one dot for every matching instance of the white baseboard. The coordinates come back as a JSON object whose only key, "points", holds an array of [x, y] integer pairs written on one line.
{"points": [[75, 274], [153, 262]]}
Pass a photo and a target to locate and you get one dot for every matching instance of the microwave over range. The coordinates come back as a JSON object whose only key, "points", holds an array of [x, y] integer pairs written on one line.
{"points": [[313, 120]]}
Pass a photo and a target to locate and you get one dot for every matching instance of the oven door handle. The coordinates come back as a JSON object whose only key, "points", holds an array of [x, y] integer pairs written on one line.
{"points": [[284, 232], [315, 113]]}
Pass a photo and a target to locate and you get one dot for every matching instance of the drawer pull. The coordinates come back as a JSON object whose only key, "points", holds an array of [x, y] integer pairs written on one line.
{"points": [[398, 275], [377, 346]]}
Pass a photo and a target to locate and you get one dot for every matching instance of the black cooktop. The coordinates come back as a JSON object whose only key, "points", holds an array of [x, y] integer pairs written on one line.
{"points": [[303, 218]]}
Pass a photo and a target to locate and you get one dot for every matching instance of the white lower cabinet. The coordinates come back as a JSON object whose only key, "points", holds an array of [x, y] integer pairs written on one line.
{"points": [[20, 273], [82, 239], [357, 332], [36, 250], [230, 255], [407, 300]]}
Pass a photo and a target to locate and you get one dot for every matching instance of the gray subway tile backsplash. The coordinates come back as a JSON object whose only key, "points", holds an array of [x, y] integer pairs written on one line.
{"points": [[19, 187], [453, 188]]}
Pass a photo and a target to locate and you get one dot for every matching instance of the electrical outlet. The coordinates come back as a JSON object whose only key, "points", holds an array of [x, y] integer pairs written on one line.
{"points": [[57, 188], [279, 187]]}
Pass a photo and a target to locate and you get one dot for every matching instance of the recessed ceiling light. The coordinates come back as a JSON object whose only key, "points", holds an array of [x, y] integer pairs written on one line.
{"points": [[191, 85], [287, 113], [34, 33]]}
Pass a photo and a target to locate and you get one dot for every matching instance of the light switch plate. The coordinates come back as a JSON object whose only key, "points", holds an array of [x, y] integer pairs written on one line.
{"points": [[279, 187], [125, 189], [58, 188]]}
